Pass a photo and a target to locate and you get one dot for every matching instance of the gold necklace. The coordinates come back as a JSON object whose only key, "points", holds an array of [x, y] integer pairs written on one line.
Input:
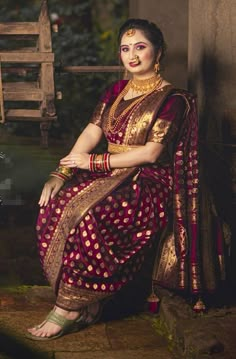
{"points": [[146, 84], [113, 121]]}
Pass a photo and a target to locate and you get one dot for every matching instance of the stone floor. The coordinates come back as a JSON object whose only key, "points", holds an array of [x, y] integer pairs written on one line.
{"points": [[174, 333], [133, 337]]}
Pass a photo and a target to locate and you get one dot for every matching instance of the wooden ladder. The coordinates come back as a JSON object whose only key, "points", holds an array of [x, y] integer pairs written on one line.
{"points": [[30, 62]]}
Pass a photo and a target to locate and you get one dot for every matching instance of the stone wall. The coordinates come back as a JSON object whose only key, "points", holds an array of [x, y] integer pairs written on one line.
{"points": [[172, 18], [211, 72], [212, 52]]}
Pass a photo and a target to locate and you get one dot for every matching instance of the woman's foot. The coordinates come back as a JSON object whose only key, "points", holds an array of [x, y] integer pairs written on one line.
{"points": [[48, 329], [92, 313]]}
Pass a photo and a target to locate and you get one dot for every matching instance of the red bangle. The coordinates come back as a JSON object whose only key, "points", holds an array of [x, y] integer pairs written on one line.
{"points": [[91, 162], [107, 162], [99, 163], [59, 175]]}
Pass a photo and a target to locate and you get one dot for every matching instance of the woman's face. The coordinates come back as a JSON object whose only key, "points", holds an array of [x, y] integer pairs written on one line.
{"points": [[137, 54]]}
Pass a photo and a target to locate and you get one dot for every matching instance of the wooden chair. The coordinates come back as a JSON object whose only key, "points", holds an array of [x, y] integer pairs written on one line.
{"points": [[31, 62]]}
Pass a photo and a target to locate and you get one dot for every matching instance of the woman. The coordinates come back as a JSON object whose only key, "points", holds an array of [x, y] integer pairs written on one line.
{"points": [[96, 230]]}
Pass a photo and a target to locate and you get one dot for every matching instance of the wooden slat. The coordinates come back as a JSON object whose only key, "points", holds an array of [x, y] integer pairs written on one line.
{"points": [[24, 50], [22, 91], [23, 96], [44, 41], [18, 86], [75, 69], [71, 69], [19, 28], [23, 113], [2, 113], [26, 57], [27, 115], [30, 119], [47, 85]]}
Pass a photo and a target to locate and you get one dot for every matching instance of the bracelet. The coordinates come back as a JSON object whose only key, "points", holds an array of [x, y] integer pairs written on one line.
{"points": [[99, 163], [62, 172]]}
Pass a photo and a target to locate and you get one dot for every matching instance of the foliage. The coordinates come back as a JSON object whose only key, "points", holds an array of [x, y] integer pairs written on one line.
{"points": [[83, 39]]}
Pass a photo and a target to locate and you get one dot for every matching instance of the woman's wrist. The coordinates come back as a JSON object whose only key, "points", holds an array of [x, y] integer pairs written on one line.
{"points": [[99, 162], [57, 175], [62, 172]]}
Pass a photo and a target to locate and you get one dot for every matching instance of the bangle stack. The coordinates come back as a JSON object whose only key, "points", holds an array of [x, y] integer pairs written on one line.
{"points": [[62, 172], [99, 163]]}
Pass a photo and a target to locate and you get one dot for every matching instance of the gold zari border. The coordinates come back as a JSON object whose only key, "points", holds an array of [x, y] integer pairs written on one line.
{"points": [[73, 298], [115, 148]]}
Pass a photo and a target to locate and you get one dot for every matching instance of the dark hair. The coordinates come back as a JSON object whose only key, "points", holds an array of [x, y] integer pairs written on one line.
{"points": [[150, 30]]}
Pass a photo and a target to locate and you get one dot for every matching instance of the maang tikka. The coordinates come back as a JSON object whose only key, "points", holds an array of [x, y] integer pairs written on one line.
{"points": [[130, 32]]}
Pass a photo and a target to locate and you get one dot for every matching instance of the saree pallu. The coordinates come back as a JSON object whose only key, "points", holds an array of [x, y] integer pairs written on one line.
{"points": [[96, 234]]}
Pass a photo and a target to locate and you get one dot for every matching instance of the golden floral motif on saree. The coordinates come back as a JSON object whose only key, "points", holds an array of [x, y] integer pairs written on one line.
{"points": [[143, 117], [73, 212], [159, 131], [165, 268], [195, 278], [193, 211], [116, 148], [182, 274]]}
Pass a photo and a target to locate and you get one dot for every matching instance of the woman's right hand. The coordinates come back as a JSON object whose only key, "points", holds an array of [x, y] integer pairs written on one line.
{"points": [[50, 189]]}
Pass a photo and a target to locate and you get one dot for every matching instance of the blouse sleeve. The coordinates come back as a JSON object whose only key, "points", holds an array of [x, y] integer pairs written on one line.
{"points": [[168, 120], [108, 96], [96, 118]]}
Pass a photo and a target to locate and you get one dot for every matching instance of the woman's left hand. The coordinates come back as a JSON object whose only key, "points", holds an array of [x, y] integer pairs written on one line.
{"points": [[76, 160]]}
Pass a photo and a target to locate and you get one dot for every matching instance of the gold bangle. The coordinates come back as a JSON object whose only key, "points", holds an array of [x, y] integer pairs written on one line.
{"points": [[65, 173]]}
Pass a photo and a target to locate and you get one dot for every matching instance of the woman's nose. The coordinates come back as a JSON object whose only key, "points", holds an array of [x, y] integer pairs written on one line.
{"points": [[132, 54]]}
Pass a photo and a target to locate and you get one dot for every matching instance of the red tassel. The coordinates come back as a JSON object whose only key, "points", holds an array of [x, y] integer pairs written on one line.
{"points": [[153, 303], [199, 307]]}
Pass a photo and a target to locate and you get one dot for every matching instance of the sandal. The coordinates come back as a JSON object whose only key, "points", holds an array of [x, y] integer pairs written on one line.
{"points": [[67, 326], [89, 317]]}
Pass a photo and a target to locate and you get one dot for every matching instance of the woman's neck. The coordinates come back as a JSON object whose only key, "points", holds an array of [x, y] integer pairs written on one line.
{"points": [[144, 77], [147, 84]]}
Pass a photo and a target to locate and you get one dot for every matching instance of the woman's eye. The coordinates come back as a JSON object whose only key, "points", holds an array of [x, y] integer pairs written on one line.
{"points": [[124, 49], [140, 47]]}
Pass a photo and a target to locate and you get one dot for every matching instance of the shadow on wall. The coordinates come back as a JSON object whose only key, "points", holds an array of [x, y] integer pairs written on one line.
{"points": [[217, 194]]}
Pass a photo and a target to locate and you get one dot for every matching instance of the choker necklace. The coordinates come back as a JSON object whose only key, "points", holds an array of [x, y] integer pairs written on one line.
{"points": [[146, 85], [115, 121]]}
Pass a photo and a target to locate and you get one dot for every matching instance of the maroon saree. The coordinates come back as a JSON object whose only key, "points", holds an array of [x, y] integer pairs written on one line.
{"points": [[96, 234]]}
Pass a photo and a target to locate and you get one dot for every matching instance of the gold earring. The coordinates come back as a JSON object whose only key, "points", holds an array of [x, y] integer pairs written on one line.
{"points": [[157, 67]]}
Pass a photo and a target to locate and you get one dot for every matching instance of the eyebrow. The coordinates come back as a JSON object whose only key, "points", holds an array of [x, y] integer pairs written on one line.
{"points": [[137, 43]]}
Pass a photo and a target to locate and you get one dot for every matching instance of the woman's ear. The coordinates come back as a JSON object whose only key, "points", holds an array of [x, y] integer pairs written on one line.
{"points": [[158, 56]]}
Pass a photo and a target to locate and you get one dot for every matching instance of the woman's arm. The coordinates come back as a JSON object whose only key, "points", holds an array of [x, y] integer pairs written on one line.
{"points": [[86, 142], [88, 139], [135, 157], [148, 153]]}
